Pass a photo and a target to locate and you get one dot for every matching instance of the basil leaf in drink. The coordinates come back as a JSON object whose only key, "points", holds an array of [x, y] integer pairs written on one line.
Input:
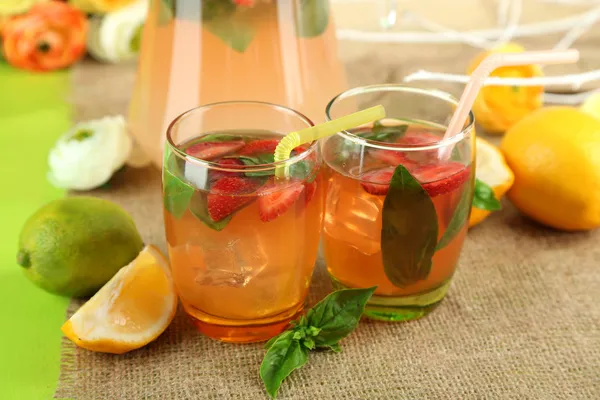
{"points": [[383, 133], [337, 315], [212, 9], [177, 193], [312, 17], [258, 160], [198, 207], [459, 218], [166, 11], [484, 197], [215, 137], [409, 230], [235, 30], [284, 356]]}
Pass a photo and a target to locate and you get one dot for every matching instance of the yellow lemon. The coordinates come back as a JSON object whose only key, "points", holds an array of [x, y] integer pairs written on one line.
{"points": [[497, 108], [555, 156], [491, 168], [130, 311], [591, 105]]}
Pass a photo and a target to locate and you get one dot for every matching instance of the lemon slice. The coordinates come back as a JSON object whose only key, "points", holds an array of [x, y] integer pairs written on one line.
{"points": [[130, 311], [491, 168]]}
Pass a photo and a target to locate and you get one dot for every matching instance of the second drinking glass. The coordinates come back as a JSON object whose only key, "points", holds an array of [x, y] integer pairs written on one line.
{"points": [[242, 244], [398, 199]]}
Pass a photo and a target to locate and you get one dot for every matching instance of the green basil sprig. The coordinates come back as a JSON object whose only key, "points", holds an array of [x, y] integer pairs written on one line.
{"points": [[329, 321]]}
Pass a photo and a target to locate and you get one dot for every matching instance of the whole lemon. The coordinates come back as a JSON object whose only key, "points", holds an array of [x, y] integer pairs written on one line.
{"points": [[554, 153], [73, 246]]}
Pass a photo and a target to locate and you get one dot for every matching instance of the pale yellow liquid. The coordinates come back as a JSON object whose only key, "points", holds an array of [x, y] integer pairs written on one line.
{"points": [[183, 65]]}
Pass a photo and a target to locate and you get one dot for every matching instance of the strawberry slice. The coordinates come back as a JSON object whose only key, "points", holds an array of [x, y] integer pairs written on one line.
{"points": [[394, 158], [273, 200], [259, 147], [410, 159], [442, 177], [229, 163], [211, 150], [309, 191], [377, 181], [227, 196]]}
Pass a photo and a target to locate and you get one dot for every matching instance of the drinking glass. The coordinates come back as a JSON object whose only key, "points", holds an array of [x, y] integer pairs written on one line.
{"points": [[242, 244], [398, 199]]}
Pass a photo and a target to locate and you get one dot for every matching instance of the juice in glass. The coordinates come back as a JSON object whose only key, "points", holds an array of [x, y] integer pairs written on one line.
{"points": [[242, 244], [398, 200]]}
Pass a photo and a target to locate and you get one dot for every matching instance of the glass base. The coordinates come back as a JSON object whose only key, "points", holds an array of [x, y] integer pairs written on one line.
{"points": [[404, 308], [235, 331]]}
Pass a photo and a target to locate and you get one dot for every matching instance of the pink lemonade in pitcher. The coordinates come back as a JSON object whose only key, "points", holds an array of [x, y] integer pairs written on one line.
{"points": [[206, 51]]}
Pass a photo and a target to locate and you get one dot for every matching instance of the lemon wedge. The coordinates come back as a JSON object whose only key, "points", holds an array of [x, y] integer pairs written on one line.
{"points": [[130, 311], [491, 168]]}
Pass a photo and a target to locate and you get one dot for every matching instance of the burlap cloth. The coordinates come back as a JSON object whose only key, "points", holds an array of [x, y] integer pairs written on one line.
{"points": [[522, 319]]}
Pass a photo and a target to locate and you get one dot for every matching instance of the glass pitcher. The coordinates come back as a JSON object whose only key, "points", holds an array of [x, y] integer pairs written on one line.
{"points": [[197, 52]]}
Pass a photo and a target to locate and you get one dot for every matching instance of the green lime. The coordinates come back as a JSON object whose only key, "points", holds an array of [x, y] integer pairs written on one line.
{"points": [[74, 245]]}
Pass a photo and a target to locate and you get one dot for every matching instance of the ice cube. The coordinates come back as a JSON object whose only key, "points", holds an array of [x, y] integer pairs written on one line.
{"points": [[354, 217], [232, 261], [196, 174]]}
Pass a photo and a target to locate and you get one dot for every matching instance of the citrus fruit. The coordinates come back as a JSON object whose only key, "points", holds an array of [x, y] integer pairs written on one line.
{"points": [[491, 169], [130, 311], [555, 155], [591, 105], [73, 246], [497, 108]]}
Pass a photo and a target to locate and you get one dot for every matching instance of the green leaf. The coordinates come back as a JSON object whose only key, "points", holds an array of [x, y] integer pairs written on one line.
{"points": [[166, 11], [198, 207], [177, 193], [409, 230], [484, 197], [337, 315], [459, 219], [216, 137], [288, 333], [334, 347], [233, 28], [284, 356], [312, 18], [382, 133]]}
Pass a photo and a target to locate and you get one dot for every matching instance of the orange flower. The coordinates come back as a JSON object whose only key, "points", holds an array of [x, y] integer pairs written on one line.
{"points": [[497, 108], [51, 35]]}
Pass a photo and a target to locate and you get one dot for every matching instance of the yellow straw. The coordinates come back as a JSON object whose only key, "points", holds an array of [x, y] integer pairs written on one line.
{"points": [[308, 135]]}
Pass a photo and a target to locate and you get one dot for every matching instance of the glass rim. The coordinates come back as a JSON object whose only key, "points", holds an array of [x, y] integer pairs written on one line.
{"points": [[396, 87], [246, 168]]}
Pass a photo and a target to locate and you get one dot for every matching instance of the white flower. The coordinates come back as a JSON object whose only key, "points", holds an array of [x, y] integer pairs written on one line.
{"points": [[116, 36], [89, 154]]}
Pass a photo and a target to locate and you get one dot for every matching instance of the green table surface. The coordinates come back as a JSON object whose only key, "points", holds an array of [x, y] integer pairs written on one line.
{"points": [[33, 113]]}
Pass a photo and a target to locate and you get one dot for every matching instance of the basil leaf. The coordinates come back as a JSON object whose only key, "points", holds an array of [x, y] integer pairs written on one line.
{"points": [[484, 197], [212, 9], [284, 356], [409, 230], [459, 219], [334, 347], [176, 193], [312, 18], [338, 314], [198, 207], [258, 160], [235, 30], [382, 133], [268, 345], [216, 137], [166, 11]]}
